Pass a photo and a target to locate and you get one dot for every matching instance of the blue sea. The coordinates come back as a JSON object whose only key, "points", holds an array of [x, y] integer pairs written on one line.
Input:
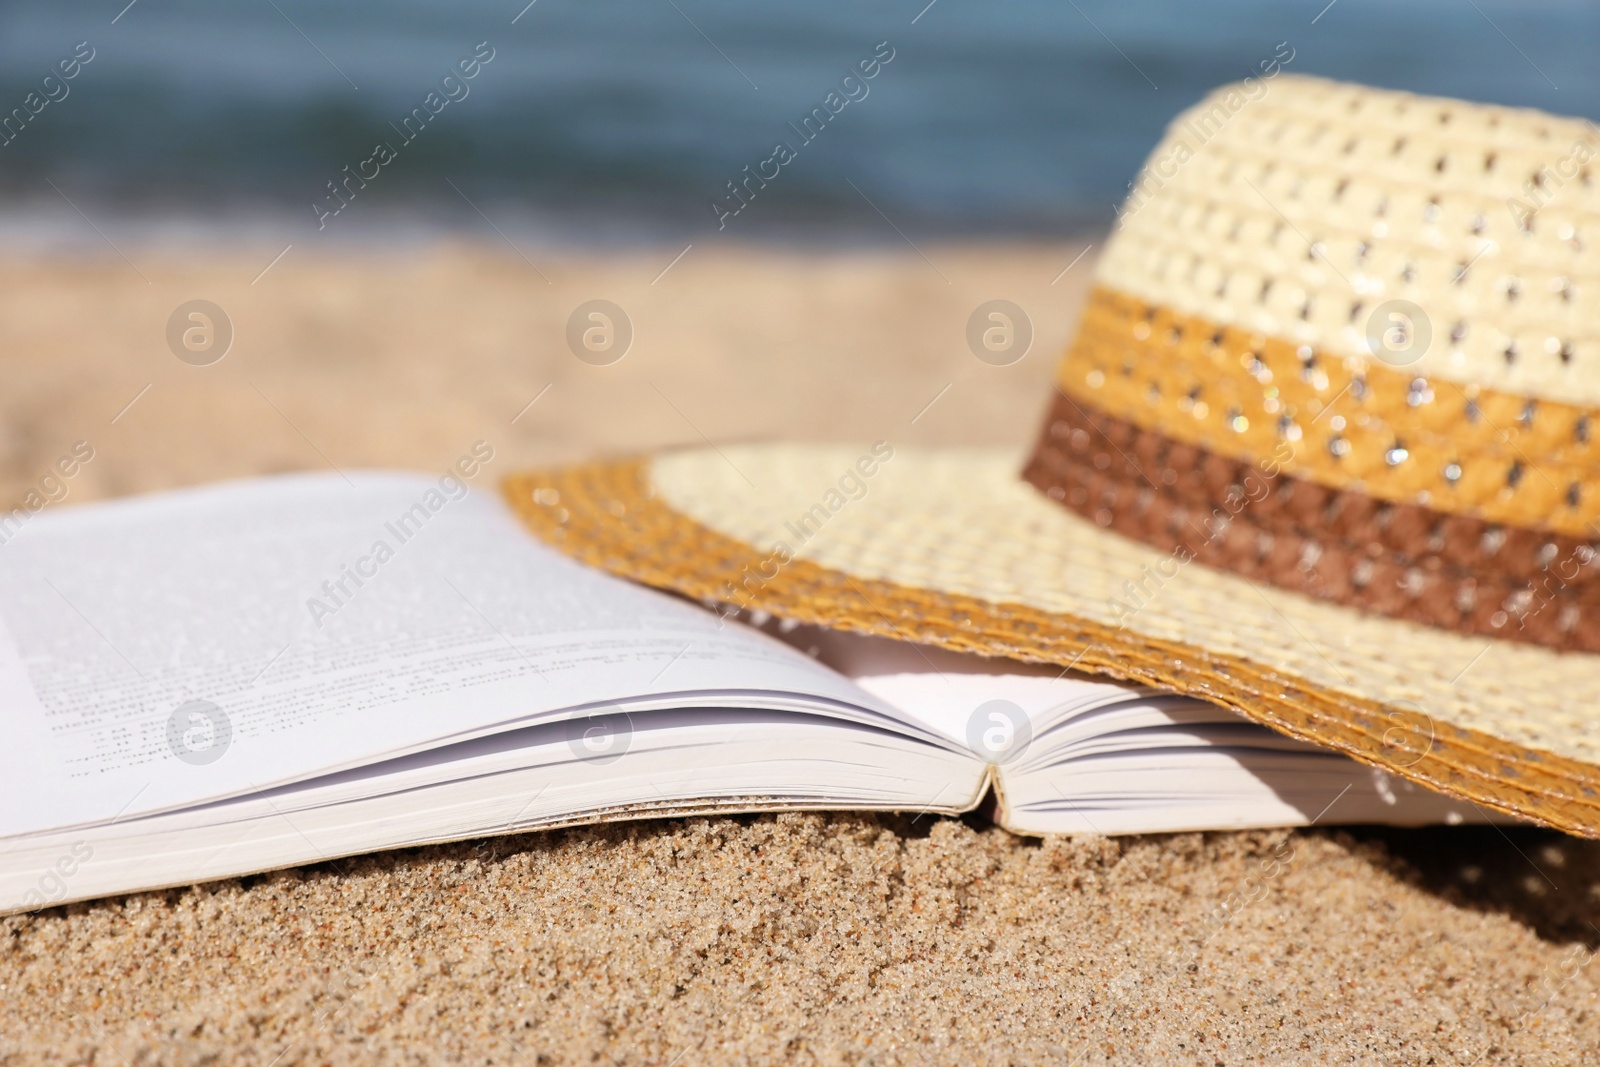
{"points": [[610, 119]]}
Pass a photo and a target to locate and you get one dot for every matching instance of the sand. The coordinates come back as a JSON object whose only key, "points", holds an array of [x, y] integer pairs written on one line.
{"points": [[813, 938], [404, 358]]}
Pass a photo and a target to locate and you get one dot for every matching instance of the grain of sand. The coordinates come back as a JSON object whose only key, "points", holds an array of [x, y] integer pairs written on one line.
{"points": [[814, 938]]}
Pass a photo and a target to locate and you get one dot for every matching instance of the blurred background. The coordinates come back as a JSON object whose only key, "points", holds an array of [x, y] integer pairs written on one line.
{"points": [[619, 120], [198, 154]]}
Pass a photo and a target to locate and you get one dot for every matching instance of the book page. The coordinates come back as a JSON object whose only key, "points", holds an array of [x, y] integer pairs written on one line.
{"points": [[1081, 756], [987, 705], [164, 650]]}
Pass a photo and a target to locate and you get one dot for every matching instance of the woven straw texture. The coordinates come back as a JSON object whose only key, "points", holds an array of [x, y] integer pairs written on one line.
{"points": [[1344, 423], [1295, 207], [1383, 295], [952, 548], [1250, 519]]}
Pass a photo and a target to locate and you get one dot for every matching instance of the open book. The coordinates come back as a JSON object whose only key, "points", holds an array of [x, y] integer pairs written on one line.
{"points": [[218, 681]]}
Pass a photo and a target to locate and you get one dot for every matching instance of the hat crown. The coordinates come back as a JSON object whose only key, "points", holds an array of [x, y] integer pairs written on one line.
{"points": [[1297, 207], [1345, 340]]}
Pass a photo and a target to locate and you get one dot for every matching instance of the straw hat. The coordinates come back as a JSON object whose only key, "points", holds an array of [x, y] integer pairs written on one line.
{"points": [[1322, 452]]}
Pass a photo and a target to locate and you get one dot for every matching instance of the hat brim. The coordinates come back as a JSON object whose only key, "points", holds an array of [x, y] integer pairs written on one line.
{"points": [[952, 548]]}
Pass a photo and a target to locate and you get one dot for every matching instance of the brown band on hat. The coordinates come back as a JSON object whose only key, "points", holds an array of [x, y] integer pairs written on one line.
{"points": [[1410, 533], [1251, 518], [1355, 424]]}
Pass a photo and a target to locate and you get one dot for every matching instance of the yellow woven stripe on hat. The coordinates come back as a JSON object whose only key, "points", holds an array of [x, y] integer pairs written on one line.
{"points": [[1297, 208], [1342, 422]]}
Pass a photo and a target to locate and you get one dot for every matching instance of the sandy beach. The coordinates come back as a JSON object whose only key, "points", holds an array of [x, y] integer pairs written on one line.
{"points": [[821, 938], [394, 357]]}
